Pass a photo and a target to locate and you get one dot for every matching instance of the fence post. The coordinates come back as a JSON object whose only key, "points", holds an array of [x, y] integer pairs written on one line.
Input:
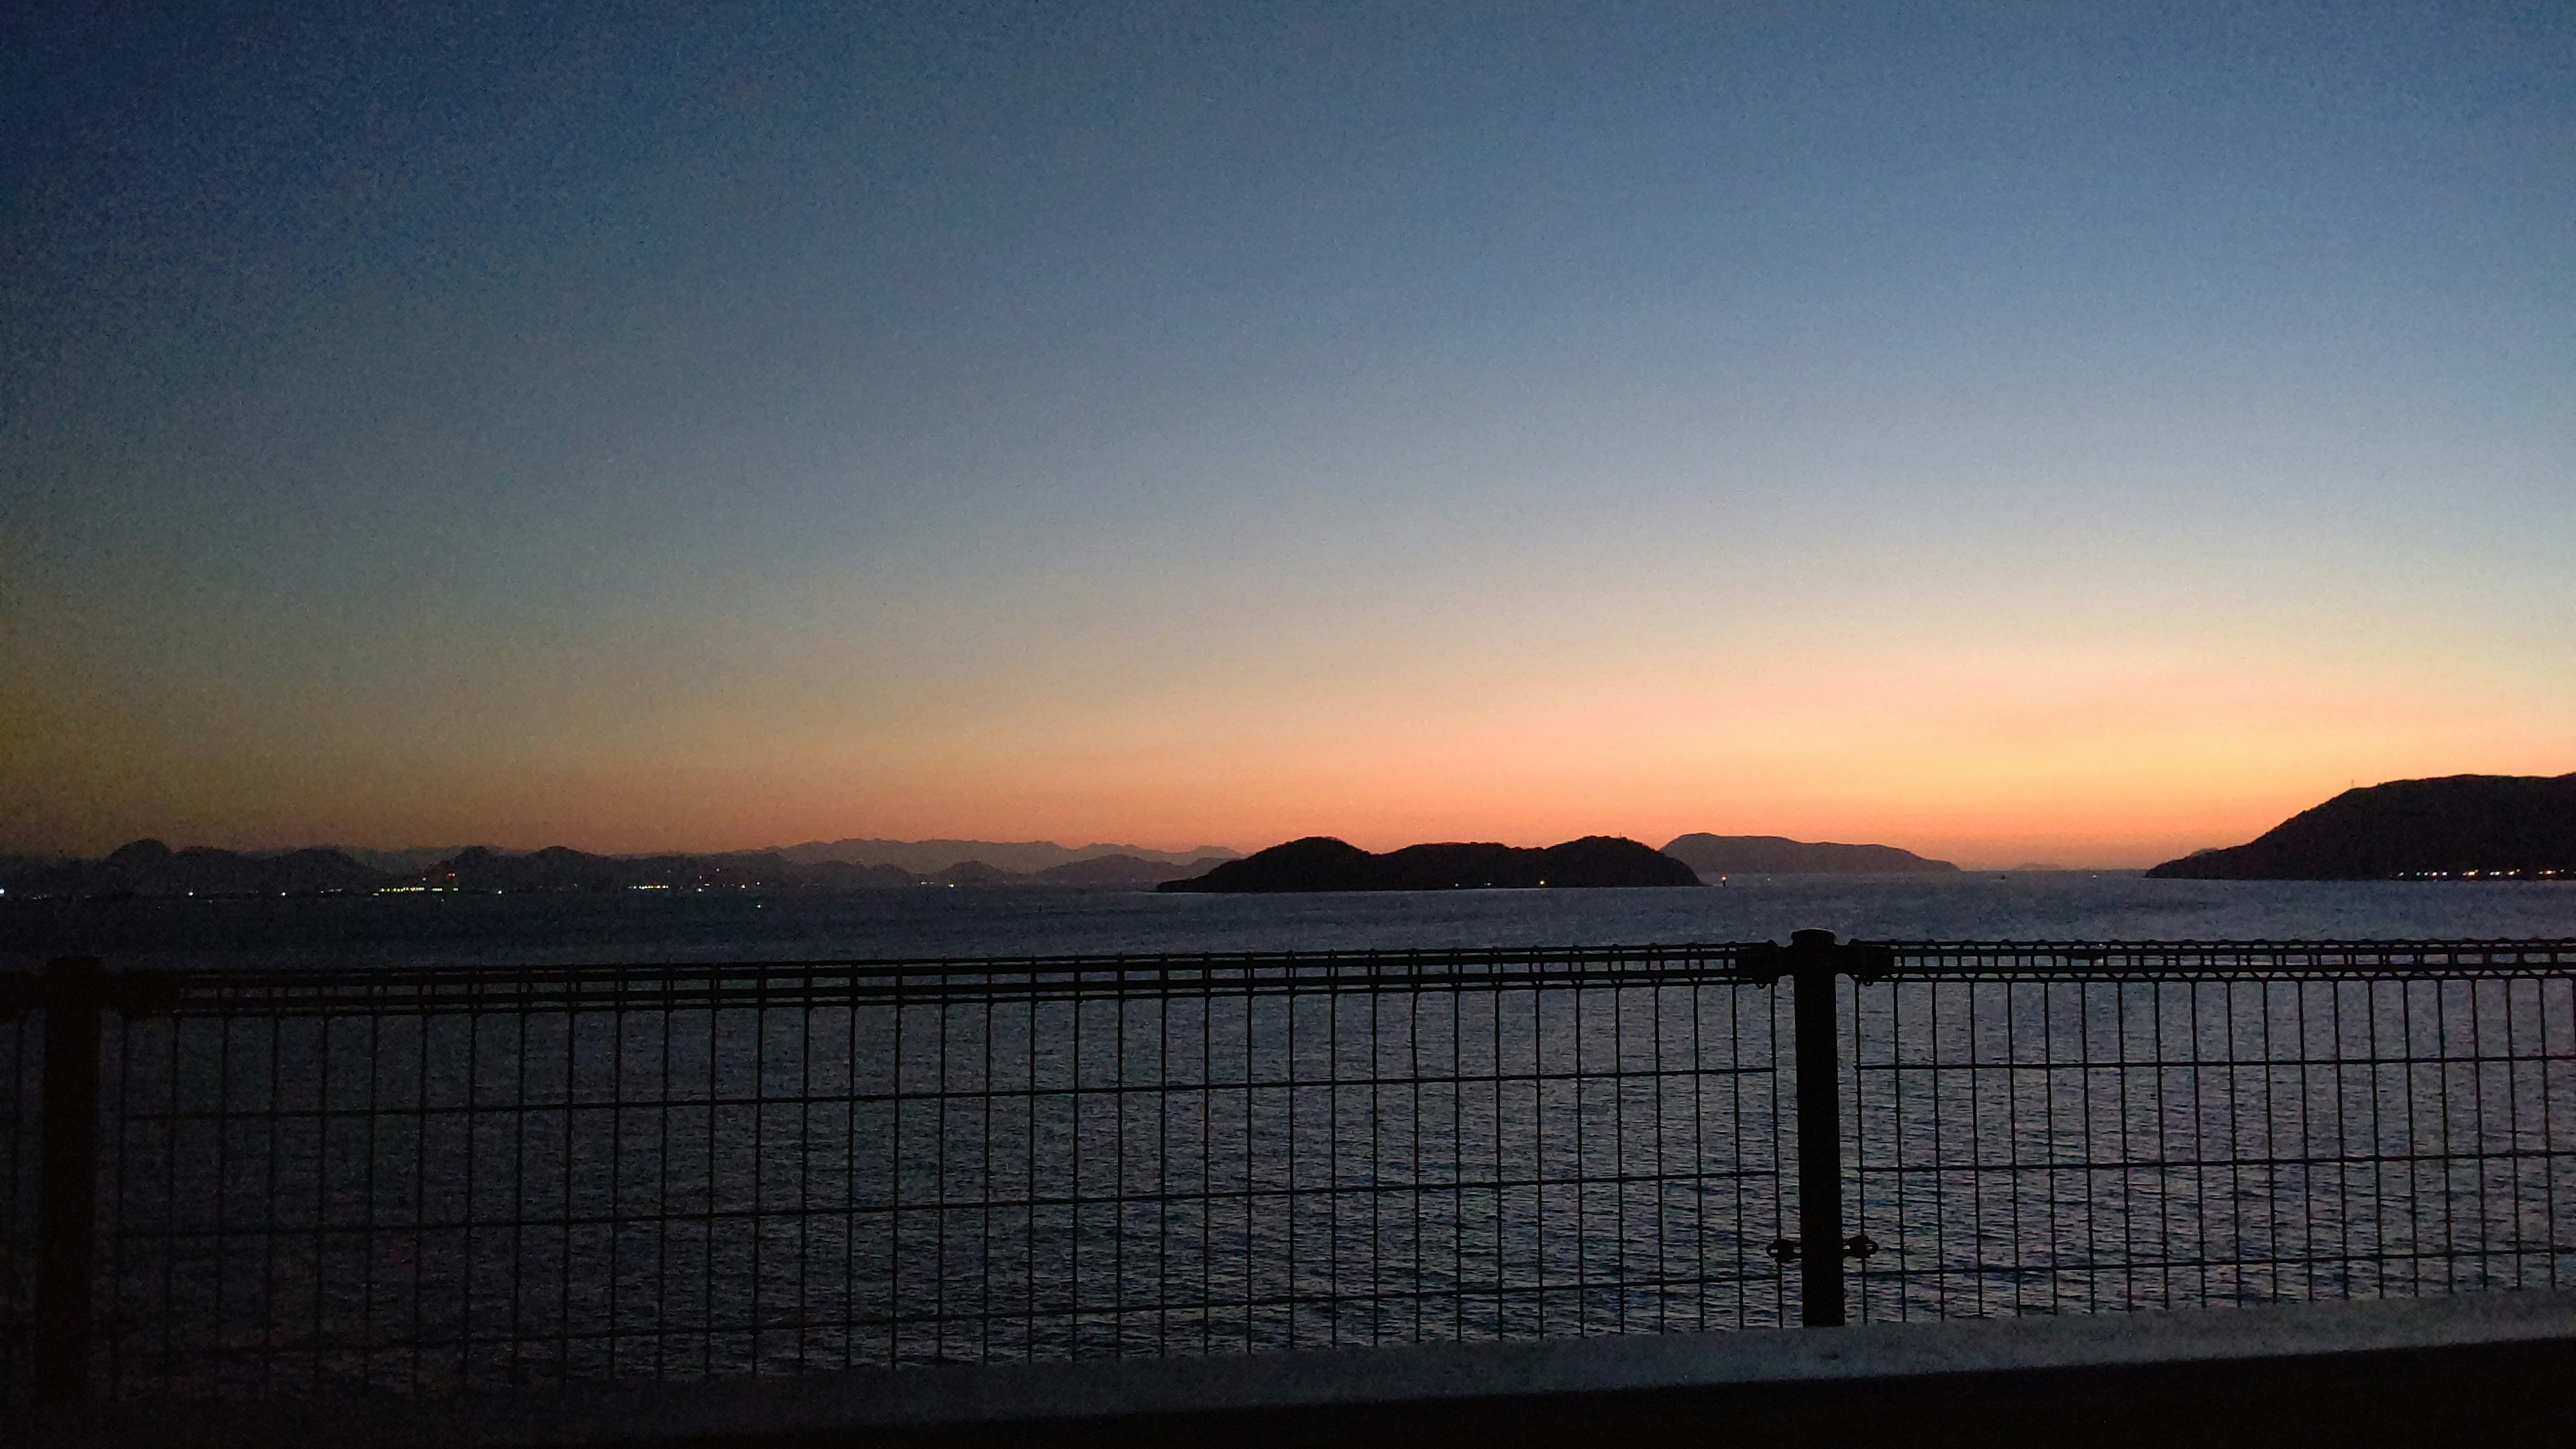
{"points": [[1813, 963], [66, 1226]]}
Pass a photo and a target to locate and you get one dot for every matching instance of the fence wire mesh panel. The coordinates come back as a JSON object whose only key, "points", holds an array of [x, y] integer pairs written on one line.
{"points": [[420, 1181], [22, 1064], [2055, 1128], [426, 1180]]}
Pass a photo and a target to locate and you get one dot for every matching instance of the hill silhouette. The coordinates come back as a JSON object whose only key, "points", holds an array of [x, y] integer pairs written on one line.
{"points": [[1322, 863], [1019, 857], [2456, 825], [557, 868], [1712, 855], [1121, 870], [150, 868]]}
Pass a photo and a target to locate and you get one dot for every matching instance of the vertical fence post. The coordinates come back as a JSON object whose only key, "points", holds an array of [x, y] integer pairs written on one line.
{"points": [[1813, 963], [66, 1204]]}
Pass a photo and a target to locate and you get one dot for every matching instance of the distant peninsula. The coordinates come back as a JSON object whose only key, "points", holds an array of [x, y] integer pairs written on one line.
{"points": [[2458, 826], [149, 869], [1018, 857], [1717, 855], [1322, 863]]}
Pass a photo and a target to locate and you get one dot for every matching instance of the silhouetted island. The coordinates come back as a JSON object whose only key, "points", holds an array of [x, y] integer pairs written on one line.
{"points": [[1038, 860], [1715, 855], [148, 869], [1321, 863], [1131, 871], [2459, 825], [142, 868]]}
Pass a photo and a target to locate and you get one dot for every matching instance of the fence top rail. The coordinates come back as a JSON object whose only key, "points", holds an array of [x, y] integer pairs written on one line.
{"points": [[698, 985], [2189, 960]]}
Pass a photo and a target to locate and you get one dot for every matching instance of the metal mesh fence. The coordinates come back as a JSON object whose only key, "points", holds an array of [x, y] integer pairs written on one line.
{"points": [[420, 1181], [427, 1181], [2086, 1127], [21, 1068]]}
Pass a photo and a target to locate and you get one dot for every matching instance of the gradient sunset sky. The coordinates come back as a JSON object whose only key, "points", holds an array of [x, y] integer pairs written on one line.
{"points": [[2013, 432]]}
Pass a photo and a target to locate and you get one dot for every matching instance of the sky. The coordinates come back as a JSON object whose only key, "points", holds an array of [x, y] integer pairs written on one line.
{"points": [[2015, 432]]}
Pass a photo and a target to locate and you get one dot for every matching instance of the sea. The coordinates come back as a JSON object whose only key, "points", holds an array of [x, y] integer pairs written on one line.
{"points": [[938, 922]]}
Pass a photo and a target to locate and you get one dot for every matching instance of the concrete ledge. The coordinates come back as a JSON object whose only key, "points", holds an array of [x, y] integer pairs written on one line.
{"points": [[2463, 1368]]}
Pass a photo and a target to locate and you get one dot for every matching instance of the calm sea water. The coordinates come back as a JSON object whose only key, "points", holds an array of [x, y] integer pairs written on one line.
{"points": [[658, 926]]}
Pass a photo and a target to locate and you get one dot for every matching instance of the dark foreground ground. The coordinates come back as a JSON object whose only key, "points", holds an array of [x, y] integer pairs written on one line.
{"points": [[2473, 1369]]}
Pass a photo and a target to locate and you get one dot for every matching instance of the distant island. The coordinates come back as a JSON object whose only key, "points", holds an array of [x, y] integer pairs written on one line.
{"points": [[1322, 863], [149, 869], [1717, 855], [2458, 826], [1018, 857]]}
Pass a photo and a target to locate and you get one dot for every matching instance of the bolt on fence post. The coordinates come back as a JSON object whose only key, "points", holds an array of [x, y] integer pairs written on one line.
{"points": [[1813, 960], [66, 1226]]}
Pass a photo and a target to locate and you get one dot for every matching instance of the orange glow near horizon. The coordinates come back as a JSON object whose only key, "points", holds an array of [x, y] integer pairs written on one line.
{"points": [[2110, 762]]}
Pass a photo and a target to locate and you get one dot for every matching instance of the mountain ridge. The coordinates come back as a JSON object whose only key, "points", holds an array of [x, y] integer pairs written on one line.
{"points": [[2442, 826], [1027, 857], [150, 869], [1715, 855]]}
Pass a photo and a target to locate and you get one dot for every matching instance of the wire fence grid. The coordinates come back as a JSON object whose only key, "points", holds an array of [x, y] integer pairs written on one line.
{"points": [[20, 1066], [422, 1181], [2099, 1128]]}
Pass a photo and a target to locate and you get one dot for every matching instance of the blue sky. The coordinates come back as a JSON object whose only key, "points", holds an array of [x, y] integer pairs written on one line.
{"points": [[2089, 431]]}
